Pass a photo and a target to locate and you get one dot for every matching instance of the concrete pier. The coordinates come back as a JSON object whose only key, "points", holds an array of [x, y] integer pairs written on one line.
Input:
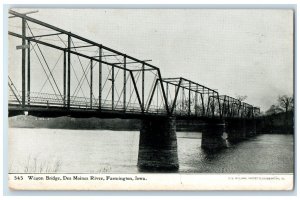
{"points": [[251, 128], [214, 136], [236, 129], [240, 129], [158, 141], [158, 144]]}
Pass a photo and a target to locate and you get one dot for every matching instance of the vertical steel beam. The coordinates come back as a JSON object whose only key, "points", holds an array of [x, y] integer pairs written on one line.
{"points": [[228, 107], [172, 109], [152, 94], [202, 100], [91, 84], [242, 109], [208, 102], [176, 95], [112, 87], [219, 103], [136, 90], [214, 106], [163, 91], [65, 76], [100, 77], [182, 100], [28, 73], [23, 61], [124, 84], [189, 103], [224, 106], [239, 109], [143, 87], [232, 113], [167, 91], [69, 72], [196, 100]]}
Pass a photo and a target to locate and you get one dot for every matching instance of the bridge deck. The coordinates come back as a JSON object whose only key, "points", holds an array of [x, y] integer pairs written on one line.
{"points": [[89, 79]]}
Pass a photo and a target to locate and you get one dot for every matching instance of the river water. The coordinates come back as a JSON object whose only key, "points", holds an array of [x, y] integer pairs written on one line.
{"points": [[105, 151]]}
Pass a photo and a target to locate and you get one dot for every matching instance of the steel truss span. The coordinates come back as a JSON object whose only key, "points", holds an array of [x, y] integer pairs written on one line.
{"points": [[61, 73]]}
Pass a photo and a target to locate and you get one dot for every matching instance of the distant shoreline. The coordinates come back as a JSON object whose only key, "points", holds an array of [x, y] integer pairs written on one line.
{"points": [[274, 124], [23, 121], [116, 124]]}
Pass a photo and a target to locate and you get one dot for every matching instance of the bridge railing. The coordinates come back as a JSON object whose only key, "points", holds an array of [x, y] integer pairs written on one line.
{"points": [[100, 78], [89, 69], [54, 100], [187, 98]]}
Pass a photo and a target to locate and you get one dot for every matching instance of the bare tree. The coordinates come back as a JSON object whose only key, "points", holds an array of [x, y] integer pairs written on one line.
{"points": [[286, 102]]}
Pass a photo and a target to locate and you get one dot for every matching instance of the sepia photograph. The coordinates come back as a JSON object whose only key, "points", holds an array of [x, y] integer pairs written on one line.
{"points": [[150, 99]]}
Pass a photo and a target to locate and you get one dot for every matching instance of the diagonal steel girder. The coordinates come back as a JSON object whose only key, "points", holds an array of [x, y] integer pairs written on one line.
{"points": [[190, 86], [179, 82], [69, 50]]}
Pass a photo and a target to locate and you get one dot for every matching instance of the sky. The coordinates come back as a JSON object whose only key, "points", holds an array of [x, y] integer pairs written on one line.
{"points": [[238, 52]]}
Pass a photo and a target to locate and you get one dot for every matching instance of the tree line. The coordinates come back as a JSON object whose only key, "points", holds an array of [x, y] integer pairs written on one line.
{"points": [[284, 104]]}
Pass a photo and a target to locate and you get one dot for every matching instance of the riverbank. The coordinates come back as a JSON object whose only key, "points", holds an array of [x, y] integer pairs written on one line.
{"points": [[276, 123], [23, 121]]}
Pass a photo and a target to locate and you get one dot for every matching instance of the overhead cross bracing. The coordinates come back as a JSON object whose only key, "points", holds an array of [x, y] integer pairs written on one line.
{"points": [[64, 71]]}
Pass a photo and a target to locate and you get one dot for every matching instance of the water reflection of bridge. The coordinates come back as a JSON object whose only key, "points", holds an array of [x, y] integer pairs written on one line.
{"points": [[63, 74]]}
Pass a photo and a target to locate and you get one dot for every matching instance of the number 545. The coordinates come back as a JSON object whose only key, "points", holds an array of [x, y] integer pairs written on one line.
{"points": [[18, 177]]}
